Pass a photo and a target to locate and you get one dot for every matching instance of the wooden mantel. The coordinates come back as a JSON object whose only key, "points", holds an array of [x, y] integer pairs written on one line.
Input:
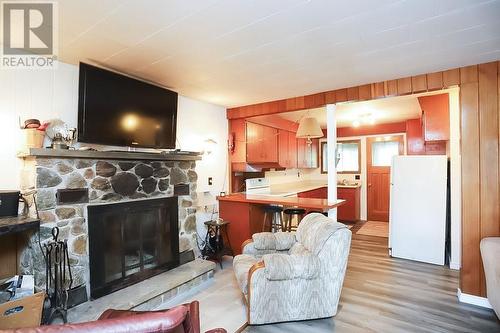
{"points": [[109, 155]]}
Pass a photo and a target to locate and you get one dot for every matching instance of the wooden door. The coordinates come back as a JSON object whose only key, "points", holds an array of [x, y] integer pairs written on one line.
{"points": [[292, 150], [378, 158]]}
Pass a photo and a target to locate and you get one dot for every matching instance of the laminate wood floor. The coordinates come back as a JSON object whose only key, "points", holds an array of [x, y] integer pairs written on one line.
{"points": [[384, 294], [374, 228]]}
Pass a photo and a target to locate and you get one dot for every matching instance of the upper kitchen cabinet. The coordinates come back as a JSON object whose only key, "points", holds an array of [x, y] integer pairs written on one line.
{"points": [[287, 149], [262, 143], [435, 117], [307, 154], [415, 144]]}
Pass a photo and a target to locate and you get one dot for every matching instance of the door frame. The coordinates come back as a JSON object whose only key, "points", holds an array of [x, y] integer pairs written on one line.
{"points": [[369, 140]]}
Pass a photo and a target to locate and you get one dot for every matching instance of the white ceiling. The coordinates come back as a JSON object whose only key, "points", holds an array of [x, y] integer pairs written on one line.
{"points": [[386, 110], [239, 52]]}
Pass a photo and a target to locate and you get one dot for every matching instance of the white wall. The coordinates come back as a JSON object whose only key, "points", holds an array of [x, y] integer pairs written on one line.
{"points": [[49, 94]]}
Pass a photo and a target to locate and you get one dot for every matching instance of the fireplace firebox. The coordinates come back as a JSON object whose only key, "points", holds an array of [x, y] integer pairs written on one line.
{"points": [[131, 241]]}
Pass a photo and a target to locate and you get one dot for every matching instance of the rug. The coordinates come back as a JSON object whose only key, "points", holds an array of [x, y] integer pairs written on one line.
{"points": [[374, 228]]}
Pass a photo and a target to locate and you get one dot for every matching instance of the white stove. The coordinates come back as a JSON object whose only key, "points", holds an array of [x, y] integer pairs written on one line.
{"points": [[258, 186]]}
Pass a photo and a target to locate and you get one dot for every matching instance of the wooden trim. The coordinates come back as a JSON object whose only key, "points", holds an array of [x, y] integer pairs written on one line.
{"points": [[253, 269], [488, 154], [391, 88], [353, 94], [330, 97], [468, 74], [386, 128], [435, 81], [245, 243], [365, 92], [341, 95], [451, 78], [397, 87], [419, 83], [404, 86], [378, 90]]}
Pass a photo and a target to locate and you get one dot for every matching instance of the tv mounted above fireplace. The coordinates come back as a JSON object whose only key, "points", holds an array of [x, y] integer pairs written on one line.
{"points": [[115, 109]]}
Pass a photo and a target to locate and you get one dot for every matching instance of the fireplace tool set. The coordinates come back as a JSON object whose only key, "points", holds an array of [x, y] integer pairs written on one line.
{"points": [[59, 278]]}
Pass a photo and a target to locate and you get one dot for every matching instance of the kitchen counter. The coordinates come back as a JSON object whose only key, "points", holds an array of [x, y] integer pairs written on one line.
{"points": [[245, 213], [291, 189], [348, 186], [262, 199]]}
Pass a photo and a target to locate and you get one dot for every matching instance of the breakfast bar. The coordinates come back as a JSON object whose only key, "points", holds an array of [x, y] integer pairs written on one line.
{"points": [[245, 212]]}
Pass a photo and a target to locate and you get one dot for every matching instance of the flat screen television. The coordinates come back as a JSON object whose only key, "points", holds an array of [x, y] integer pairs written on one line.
{"points": [[117, 110]]}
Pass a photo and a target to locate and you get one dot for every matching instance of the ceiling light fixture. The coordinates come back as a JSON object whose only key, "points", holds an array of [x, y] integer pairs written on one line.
{"points": [[309, 129], [366, 118]]}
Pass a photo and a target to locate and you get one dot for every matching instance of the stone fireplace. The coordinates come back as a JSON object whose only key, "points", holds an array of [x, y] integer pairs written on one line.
{"points": [[129, 178]]}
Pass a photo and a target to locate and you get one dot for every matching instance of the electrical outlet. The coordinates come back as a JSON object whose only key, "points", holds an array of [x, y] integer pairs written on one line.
{"points": [[210, 181]]}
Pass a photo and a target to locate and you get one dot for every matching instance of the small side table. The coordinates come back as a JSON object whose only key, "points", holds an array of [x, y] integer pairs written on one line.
{"points": [[217, 241]]}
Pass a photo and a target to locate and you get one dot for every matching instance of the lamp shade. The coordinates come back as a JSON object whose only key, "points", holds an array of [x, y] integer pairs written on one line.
{"points": [[309, 129]]}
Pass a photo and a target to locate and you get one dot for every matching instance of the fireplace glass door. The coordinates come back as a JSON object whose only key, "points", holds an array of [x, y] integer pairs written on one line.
{"points": [[130, 242]]}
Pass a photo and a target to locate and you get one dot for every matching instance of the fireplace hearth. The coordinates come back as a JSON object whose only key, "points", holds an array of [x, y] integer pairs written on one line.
{"points": [[131, 241]]}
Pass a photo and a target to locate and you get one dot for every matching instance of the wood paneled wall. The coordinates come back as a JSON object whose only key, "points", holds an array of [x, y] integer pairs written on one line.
{"points": [[480, 140], [480, 127], [389, 128], [399, 87]]}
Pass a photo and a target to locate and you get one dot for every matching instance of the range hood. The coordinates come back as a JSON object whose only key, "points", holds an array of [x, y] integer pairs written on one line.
{"points": [[257, 167]]}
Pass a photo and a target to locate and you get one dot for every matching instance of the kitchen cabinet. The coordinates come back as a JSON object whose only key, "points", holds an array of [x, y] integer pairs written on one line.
{"points": [[349, 211], [435, 117], [415, 144], [287, 149], [319, 193], [307, 154], [262, 143]]}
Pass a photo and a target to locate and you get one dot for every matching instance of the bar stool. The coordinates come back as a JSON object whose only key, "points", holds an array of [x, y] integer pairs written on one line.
{"points": [[276, 218], [290, 213]]}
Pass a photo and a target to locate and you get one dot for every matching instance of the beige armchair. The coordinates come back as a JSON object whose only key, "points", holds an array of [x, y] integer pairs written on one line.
{"points": [[289, 276], [490, 253]]}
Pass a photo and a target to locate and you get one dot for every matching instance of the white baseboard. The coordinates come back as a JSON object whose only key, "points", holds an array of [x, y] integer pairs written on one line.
{"points": [[472, 299], [455, 266]]}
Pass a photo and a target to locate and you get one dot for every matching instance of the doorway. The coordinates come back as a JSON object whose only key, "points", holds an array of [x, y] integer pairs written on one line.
{"points": [[379, 153]]}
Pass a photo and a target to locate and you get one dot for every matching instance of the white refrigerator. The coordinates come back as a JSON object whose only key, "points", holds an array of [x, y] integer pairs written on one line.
{"points": [[417, 213]]}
